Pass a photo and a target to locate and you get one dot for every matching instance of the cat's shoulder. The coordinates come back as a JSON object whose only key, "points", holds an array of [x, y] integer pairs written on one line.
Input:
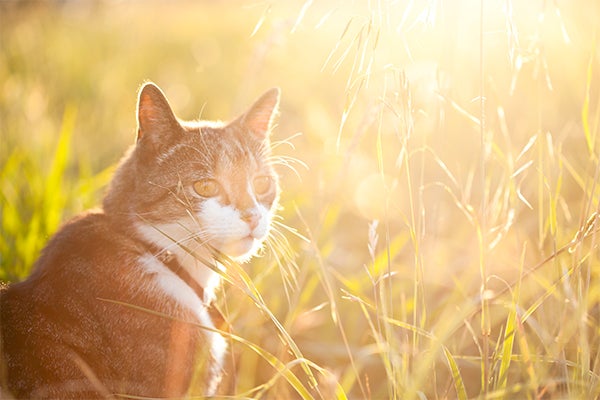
{"points": [[92, 230], [86, 249], [91, 238]]}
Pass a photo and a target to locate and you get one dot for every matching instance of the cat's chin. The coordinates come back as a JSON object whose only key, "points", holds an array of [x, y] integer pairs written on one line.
{"points": [[241, 250]]}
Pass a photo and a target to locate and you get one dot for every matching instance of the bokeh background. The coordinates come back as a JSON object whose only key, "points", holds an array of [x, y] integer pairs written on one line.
{"points": [[441, 188]]}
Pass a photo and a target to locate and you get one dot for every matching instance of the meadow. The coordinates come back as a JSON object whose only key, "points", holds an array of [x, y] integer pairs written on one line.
{"points": [[440, 189]]}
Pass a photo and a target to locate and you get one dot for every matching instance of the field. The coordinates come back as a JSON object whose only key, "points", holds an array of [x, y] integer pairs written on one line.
{"points": [[441, 191]]}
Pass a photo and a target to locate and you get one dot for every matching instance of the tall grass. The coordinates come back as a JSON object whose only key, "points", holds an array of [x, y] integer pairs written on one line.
{"points": [[447, 219], [36, 198]]}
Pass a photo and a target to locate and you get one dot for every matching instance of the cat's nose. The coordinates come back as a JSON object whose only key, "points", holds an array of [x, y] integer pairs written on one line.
{"points": [[251, 217]]}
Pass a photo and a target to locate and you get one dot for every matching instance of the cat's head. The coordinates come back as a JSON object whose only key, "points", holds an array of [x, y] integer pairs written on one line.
{"points": [[186, 185]]}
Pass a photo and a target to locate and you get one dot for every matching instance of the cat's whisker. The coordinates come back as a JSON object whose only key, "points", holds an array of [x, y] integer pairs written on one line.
{"points": [[286, 141], [281, 243], [291, 230], [183, 242], [283, 258], [290, 159], [169, 191], [288, 162]]}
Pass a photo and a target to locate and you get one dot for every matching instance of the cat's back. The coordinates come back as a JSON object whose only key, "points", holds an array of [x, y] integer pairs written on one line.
{"points": [[89, 246], [66, 317]]}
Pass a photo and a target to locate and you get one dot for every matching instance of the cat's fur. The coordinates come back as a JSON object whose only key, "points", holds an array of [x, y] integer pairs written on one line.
{"points": [[78, 327]]}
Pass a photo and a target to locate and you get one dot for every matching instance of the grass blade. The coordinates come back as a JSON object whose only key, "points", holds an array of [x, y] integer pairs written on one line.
{"points": [[279, 366], [585, 111]]}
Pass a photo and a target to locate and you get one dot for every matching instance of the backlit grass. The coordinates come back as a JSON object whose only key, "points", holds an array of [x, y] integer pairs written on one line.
{"points": [[445, 223]]}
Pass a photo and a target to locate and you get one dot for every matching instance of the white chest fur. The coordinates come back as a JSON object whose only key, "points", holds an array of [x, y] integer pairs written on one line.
{"points": [[175, 288], [178, 239]]}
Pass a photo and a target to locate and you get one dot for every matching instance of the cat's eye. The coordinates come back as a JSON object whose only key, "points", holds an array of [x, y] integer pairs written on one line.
{"points": [[262, 184], [207, 187]]}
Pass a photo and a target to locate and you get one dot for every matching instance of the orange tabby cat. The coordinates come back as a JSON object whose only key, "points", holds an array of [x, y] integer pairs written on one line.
{"points": [[78, 327]]}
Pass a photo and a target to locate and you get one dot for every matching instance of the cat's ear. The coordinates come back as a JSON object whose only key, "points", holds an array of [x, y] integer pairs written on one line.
{"points": [[155, 119], [260, 116]]}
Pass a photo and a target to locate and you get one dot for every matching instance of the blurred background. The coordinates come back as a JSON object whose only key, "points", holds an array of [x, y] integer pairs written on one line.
{"points": [[442, 189]]}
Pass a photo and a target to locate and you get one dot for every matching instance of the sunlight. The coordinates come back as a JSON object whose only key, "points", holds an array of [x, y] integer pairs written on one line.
{"points": [[438, 178]]}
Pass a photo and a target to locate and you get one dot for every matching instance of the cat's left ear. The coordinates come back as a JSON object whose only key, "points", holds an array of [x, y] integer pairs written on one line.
{"points": [[260, 116]]}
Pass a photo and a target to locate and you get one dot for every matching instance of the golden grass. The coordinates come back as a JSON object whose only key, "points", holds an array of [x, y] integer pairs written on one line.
{"points": [[450, 197]]}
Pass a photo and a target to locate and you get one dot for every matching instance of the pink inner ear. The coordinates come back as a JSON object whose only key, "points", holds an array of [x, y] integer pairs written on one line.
{"points": [[145, 114], [261, 121], [154, 113]]}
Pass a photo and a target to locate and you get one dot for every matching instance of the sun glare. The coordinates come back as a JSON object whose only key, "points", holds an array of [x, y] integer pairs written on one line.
{"points": [[437, 230]]}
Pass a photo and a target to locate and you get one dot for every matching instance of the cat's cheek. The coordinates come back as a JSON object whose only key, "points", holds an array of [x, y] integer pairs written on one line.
{"points": [[218, 219]]}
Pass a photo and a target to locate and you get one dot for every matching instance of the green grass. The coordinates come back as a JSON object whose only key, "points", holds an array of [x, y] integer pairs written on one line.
{"points": [[450, 197]]}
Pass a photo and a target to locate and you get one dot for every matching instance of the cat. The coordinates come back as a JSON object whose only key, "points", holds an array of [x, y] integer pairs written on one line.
{"points": [[116, 303]]}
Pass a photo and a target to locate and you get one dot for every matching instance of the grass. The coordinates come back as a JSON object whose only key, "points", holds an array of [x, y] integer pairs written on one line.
{"points": [[451, 196]]}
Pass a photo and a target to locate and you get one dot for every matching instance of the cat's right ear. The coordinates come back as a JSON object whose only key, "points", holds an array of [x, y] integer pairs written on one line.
{"points": [[156, 121]]}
